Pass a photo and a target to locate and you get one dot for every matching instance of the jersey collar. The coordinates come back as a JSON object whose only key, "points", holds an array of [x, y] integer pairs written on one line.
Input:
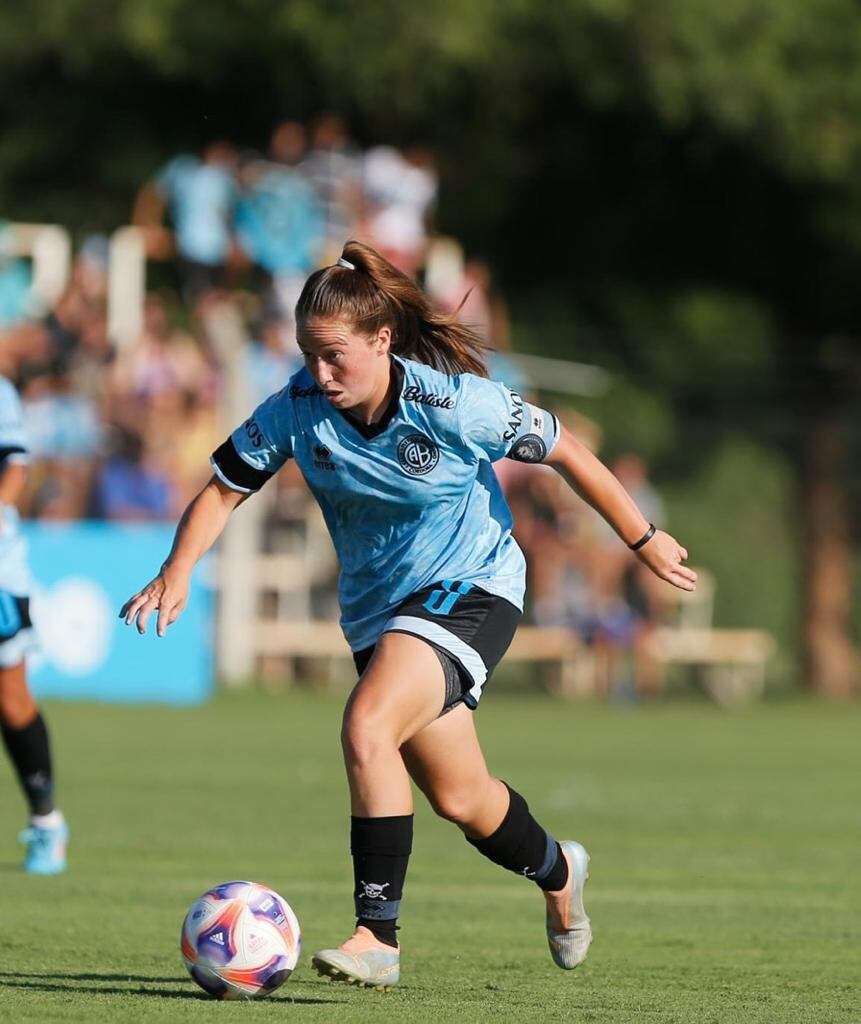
{"points": [[372, 430]]}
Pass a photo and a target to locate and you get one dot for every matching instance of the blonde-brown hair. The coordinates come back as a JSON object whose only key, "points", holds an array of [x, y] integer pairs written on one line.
{"points": [[376, 294]]}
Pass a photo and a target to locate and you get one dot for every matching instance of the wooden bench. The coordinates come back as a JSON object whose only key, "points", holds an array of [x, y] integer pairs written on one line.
{"points": [[730, 663], [279, 639]]}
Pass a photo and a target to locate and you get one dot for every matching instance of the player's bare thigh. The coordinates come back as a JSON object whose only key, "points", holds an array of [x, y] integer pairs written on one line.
{"points": [[401, 691], [446, 762]]}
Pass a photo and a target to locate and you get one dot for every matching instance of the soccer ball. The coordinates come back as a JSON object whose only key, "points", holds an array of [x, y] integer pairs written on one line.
{"points": [[240, 940]]}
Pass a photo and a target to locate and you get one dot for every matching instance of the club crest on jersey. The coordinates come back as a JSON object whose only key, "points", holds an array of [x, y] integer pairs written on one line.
{"points": [[417, 454]]}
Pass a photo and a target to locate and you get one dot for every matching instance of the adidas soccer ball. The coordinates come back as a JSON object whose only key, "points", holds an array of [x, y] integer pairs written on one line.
{"points": [[240, 940]]}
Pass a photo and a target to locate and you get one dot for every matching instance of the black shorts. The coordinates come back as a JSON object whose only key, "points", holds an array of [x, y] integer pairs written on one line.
{"points": [[468, 628]]}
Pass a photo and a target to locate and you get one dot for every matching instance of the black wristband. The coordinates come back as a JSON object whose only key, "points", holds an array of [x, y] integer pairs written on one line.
{"points": [[647, 536]]}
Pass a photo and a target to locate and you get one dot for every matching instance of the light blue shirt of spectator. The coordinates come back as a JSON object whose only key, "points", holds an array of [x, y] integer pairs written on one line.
{"points": [[14, 292], [62, 426], [280, 222], [201, 197]]}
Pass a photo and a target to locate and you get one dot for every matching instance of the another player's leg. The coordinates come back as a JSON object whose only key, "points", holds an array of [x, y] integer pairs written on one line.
{"points": [[448, 765], [25, 737], [400, 692]]}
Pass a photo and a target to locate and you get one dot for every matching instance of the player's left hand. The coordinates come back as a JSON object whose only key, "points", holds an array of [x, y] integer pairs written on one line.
{"points": [[167, 594], [664, 556]]}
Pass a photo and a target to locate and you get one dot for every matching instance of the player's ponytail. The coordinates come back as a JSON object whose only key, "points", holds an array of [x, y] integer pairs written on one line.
{"points": [[365, 289]]}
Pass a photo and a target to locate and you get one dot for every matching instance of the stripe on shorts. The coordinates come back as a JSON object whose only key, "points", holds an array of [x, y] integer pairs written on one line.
{"points": [[468, 657]]}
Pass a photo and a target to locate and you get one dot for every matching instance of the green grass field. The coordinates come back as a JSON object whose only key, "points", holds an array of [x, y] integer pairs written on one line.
{"points": [[725, 865]]}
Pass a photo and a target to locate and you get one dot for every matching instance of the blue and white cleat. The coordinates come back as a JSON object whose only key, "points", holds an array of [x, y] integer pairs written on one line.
{"points": [[363, 961], [46, 847], [569, 931]]}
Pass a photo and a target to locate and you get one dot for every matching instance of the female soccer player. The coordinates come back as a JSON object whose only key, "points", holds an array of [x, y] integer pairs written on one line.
{"points": [[21, 724], [395, 428]]}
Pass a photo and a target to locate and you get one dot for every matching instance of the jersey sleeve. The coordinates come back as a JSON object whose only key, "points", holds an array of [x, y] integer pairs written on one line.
{"points": [[497, 421], [13, 440], [258, 448]]}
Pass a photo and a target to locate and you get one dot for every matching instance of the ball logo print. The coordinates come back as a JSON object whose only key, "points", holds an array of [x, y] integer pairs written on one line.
{"points": [[417, 454], [240, 940]]}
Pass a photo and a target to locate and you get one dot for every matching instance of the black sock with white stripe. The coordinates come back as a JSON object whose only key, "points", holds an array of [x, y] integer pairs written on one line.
{"points": [[521, 845], [381, 850]]}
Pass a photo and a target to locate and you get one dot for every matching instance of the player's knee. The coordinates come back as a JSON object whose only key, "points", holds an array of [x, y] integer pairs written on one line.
{"points": [[365, 736], [457, 806]]}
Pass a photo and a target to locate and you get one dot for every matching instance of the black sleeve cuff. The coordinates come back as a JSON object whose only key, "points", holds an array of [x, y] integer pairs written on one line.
{"points": [[235, 471]]}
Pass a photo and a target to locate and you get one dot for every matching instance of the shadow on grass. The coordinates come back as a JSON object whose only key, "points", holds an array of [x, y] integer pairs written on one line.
{"points": [[54, 983], [17, 975]]}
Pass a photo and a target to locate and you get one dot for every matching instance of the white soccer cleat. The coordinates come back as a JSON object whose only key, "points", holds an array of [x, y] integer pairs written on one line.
{"points": [[569, 931], [362, 960]]}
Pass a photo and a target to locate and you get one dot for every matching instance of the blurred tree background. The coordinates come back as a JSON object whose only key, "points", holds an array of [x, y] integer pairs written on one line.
{"points": [[671, 190]]}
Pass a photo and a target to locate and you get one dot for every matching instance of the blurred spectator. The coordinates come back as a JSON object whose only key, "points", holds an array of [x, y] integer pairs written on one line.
{"points": [[165, 359], [131, 485], [192, 433], [279, 222], [474, 298], [625, 602], [400, 192], [288, 144], [269, 363], [334, 167], [15, 282], [65, 434], [60, 423], [90, 351], [199, 194], [90, 270]]}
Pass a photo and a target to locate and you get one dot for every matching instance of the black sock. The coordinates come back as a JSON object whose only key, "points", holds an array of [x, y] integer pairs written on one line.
{"points": [[30, 753], [521, 845], [381, 850]]}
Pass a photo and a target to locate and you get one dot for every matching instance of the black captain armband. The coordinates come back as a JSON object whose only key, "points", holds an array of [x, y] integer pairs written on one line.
{"points": [[235, 471], [647, 536]]}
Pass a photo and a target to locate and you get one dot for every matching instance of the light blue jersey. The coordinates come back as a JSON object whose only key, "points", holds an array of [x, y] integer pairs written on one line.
{"points": [[15, 635], [409, 501]]}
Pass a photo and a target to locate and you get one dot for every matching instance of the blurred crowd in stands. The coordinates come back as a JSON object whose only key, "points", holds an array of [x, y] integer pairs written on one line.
{"points": [[124, 432]]}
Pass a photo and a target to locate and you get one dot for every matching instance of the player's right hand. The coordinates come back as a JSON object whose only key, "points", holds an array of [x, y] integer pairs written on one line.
{"points": [[167, 594]]}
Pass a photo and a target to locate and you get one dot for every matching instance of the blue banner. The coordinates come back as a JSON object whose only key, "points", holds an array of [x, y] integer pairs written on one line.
{"points": [[83, 573]]}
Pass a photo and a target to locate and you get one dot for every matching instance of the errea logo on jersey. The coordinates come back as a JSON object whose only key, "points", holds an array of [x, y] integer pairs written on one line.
{"points": [[322, 457], [417, 454]]}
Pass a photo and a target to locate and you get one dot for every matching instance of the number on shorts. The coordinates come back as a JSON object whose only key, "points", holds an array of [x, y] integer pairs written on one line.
{"points": [[441, 602]]}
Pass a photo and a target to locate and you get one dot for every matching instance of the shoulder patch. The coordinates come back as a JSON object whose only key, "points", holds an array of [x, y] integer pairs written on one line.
{"points": [[529, 448]]}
